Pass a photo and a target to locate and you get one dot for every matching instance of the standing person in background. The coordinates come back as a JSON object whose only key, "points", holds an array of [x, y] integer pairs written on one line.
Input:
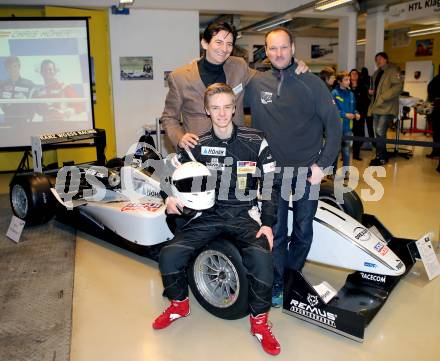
{"points": [[365, 81], [300, 121], [360, 92], [364, 77], [346, 103], [384, 106], [434, 97], [188, 84], [327, 75]]}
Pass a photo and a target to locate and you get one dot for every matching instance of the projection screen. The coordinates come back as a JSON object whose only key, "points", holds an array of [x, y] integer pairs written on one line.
{"points": [[44, 78]]}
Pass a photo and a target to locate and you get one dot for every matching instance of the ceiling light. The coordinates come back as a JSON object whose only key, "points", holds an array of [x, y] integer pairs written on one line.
{"points": [[126, 2], [425, 31], [329, 4], [271, 25]]}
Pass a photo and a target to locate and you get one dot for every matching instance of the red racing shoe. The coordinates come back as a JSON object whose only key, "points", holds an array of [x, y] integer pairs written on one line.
{"points": [[262, 331], [176, 310]]}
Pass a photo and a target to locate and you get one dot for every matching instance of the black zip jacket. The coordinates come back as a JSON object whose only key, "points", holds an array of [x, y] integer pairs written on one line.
{"points": [[297, 115]]}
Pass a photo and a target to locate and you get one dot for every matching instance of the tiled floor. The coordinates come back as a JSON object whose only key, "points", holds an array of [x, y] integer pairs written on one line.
{"points": [[118, 294]]}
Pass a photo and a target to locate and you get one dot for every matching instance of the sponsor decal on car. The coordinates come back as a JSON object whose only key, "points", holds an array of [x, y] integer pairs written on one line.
{"points": [[314, 313], [94, 172], [361, 234], [378, 246], [312, 300], [381, 248], [373, 277], [143, 207], [384, 251], [371, 265]]}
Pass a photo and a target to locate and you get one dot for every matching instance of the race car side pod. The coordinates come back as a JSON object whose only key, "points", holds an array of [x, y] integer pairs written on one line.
{"points": [[358, 301]]}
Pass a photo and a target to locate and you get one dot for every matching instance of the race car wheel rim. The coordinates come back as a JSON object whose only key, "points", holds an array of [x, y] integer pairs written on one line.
{"points": [[19, 201], [216, 278]]}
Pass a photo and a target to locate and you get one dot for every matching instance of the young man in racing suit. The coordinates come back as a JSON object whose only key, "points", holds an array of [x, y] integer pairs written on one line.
{"points": [[242, 158], [16, 87]]}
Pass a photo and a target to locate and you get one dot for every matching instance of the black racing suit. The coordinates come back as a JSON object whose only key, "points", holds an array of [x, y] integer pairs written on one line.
{"points": [[20, 89], [241, 163]]}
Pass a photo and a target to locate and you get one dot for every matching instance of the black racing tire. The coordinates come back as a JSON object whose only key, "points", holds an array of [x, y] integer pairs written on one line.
{"points": [[224, 291], [352, 204], [31, 199]]}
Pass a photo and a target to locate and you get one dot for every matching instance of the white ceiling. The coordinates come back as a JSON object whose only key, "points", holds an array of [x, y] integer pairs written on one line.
{"points": [[248, 11]]}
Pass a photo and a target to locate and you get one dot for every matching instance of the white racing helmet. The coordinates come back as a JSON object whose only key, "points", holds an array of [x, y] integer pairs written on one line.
{"points": [[193, 184]]}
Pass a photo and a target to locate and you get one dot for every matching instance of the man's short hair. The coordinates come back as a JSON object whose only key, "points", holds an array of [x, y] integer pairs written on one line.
{"points": [[217, 88], [280, 28], [46, 62], [326, 73], [215, 27], [11, 60], [383, 55], [341, 75]]}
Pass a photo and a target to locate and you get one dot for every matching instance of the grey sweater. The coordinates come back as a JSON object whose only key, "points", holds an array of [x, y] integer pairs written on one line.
{"points": [[298, 116]]}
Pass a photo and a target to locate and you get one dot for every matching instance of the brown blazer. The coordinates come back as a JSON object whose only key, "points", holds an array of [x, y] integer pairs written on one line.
{"points": [[185, 98]]}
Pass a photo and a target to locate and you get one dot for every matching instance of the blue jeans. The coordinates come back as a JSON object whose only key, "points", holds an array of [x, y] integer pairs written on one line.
{"points": [[293, 255], [345, 148], [380, 126]]}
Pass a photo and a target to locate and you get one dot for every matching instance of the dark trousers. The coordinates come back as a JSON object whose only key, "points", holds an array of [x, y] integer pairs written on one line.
{"points": [[381, 124], [436, 127], [293, 255], [358, 131], [235, 224], [370, 128]]}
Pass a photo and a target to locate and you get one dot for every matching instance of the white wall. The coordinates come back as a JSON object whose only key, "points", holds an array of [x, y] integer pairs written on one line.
{"points": [[302, 48], [172, 39], [248, 42]]}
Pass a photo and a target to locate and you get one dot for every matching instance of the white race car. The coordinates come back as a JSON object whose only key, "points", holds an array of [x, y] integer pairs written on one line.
{"points": [[343, 237]]}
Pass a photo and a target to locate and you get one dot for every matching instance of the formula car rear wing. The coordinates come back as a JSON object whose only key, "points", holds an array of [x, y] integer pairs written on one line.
{"points": [[72, 139]]}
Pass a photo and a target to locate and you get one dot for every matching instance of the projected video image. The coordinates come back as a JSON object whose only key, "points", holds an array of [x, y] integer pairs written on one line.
{"points": [[44, 79]]}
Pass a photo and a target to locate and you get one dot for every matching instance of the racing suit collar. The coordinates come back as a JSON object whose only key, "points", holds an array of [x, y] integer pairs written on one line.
{"points": [[228, 140]]}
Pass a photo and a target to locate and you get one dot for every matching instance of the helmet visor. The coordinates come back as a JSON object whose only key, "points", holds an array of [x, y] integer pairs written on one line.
{"points": [[195, 184]]}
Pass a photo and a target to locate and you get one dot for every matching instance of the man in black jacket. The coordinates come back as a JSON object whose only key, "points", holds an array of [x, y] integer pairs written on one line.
{"points": [[242, 160], [301, 123]]}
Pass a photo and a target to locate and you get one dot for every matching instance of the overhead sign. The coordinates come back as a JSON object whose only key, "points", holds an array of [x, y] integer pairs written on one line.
{"points": [[413, 10]]}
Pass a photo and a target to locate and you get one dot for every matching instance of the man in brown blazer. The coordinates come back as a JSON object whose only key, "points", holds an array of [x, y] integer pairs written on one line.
{"points": [[187, 85]]}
